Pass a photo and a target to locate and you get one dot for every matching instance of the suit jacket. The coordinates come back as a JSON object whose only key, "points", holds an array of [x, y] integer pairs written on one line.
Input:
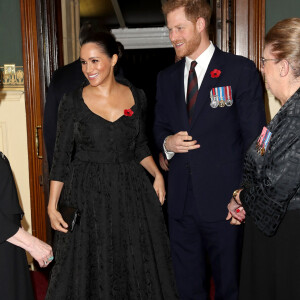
{"points": [[224, 134], [272, 182], [64, 80], [9, 202]]}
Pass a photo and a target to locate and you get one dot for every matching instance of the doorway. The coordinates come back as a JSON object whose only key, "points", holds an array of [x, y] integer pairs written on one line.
{"points": [[43, 43]]}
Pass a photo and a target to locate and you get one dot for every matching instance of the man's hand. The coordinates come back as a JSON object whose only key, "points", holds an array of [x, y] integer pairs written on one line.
{"points": [[181, 142]]}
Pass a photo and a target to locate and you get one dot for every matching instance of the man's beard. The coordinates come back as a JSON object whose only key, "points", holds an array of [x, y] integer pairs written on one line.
{"points": [[189, 46]]}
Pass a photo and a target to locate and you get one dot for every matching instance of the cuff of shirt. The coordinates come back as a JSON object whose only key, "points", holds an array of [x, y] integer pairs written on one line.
{"points": [[169, 154]]}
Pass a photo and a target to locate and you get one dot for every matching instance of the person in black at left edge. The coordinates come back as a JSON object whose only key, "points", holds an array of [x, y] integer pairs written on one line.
{"points": [[15, 281]]}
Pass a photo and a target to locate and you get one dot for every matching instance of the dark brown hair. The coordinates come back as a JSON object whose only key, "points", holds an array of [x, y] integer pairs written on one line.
{"points": [[107, 42], [284, 39], [194, 9]]}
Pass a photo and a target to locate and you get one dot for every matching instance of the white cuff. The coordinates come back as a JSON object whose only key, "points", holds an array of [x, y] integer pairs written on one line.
{"points": [[169, 154]]}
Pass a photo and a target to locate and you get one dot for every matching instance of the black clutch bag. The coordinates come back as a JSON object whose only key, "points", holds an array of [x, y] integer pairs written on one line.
{"points": [[71, 216]]}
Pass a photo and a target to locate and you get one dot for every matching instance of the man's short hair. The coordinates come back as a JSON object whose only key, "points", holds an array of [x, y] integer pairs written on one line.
{"points": [[194, 9]]}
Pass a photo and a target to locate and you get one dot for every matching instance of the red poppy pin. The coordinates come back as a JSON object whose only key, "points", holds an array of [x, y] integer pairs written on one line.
{"points": [[215, 73], [128, 112]]}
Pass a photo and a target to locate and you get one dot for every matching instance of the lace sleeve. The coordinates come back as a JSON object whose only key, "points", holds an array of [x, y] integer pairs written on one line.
{"points": [[64, 140]]}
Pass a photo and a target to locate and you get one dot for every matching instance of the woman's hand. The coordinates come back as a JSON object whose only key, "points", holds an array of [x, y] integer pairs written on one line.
{"points": [[41, 252], [233, 221], [56, 220], [163, 162], [236, 212], [159, 184], [159, 187]]}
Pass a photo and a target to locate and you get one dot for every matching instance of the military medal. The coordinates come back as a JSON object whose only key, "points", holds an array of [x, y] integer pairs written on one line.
{"points": [[228, 95], [219, 97], [263, 141], [214, 102]]}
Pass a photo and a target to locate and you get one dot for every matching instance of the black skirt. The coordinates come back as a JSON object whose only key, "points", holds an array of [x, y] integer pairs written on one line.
{"points": [[15, 282], [271, 265]]}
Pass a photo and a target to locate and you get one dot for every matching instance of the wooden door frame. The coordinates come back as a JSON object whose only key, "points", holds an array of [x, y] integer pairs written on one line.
{"points": [[247, 27], [250, 30], [40, 58]]}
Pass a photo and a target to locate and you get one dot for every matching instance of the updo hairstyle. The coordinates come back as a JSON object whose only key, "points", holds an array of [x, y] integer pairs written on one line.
{"points": [[107, 42]]}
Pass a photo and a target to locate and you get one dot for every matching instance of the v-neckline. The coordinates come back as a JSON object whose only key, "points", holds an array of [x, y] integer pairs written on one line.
{"points": [[99, 116]]}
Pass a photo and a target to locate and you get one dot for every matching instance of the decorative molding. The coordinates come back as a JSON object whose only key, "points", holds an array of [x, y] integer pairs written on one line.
{"points": [[12, 81], [143, 38], [11, 95]]}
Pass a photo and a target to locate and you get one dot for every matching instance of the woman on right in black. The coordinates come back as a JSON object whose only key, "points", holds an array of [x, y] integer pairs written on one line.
{"points": [[269, 197]]}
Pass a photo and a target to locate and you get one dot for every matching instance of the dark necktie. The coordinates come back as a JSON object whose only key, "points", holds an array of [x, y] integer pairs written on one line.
{"points": [[192, 90]]}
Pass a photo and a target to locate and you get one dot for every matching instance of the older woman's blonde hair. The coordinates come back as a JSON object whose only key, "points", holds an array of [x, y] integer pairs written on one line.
{"points": [[284, 39]]}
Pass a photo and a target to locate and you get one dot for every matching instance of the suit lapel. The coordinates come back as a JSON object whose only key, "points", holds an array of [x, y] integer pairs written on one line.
{"points": [[208, 83]]}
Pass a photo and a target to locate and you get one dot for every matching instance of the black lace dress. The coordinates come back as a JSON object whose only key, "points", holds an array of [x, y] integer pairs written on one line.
{"points": [[120, 250]]}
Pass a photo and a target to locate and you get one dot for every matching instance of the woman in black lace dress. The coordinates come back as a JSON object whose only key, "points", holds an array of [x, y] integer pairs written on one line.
{"points": [[120, 249], [270, 194]]}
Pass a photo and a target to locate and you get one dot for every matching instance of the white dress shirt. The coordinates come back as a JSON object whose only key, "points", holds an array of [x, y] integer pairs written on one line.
{"points": [[202, 64]]}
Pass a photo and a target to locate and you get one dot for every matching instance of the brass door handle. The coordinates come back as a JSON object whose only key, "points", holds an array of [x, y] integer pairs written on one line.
{"points": [[37, 143]]}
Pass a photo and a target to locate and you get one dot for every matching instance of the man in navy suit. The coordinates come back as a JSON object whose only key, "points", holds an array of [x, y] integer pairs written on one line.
{"points": [[205, 144]]}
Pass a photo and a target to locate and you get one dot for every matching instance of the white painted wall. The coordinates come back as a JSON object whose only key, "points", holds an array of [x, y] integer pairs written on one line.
{"points": [[13, 143]]}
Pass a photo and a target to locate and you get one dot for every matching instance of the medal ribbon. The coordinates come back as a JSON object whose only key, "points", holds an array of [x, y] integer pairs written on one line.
{"points": [[221, 94], [263, 141], [262, 135], [267, 139]]}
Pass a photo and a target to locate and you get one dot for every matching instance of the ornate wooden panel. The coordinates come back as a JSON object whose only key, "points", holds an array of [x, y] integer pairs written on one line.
{"points": [[34, 110], [240, 27], [41, 57]]}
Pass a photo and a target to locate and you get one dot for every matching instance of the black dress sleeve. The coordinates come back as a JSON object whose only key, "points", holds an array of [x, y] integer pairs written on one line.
{"points": [[50, 115], [64, 139], [7, 227], [142, 150], [267, 201], [9, 203]]}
